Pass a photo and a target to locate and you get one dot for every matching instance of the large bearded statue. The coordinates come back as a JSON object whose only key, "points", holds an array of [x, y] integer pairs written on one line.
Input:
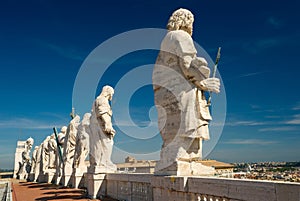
{"points": [[180, 79]]}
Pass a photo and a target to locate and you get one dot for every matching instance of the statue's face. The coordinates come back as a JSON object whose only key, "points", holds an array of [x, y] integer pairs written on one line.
{"points": [[110, 95]]}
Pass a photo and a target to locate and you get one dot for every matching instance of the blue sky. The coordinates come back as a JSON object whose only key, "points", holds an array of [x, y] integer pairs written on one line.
{"points": [[44, 44]]}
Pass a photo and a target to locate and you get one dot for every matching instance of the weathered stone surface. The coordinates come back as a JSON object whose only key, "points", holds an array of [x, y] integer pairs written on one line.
{"points": [[129, 186], [186, 168], [59, 155], [96, 185], [287, 192], [81, 151], [32, 175], [69, 148]]}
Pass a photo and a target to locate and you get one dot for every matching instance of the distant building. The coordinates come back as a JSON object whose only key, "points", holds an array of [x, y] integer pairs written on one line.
{"points": [[136, 166], [220, 167], [148, 166]]}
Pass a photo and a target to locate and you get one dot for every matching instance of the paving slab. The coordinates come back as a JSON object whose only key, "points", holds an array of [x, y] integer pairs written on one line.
{"points": [[31, 191]]}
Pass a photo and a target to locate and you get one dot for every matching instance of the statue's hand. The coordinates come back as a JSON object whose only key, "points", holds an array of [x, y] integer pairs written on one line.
{"points": [[110, 131], [211, 84]]}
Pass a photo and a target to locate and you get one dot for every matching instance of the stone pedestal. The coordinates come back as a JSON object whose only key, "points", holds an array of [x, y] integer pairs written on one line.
{"points": [[78, 178], [57, 179], [42, 178], [102, 169], [31, 177], [66, 180], [49, 176], [96, 185], [186, 168]]}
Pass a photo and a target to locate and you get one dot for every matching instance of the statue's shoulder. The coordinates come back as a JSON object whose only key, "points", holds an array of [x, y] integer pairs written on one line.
{"points": [[179, 41], [179, 35]]}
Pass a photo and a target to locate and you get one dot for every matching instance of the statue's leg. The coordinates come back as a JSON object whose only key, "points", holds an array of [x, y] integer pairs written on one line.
{"points": [[107, 146]]}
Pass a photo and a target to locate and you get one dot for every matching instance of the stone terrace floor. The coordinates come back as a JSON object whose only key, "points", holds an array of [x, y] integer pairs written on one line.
{"points": [[29, 191]]}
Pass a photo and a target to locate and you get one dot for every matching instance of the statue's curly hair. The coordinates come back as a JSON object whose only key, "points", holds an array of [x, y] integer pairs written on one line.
{"points": [[180, 20], [107, 89], [29, 141]]}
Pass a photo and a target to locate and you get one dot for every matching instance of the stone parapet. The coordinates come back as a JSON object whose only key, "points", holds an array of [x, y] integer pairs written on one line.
{"points": [[138, 187]]}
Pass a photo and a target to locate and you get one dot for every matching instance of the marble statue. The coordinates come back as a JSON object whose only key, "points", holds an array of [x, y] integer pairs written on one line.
{"points": [[52, 147], [38, 164], [82, 142], [58, 157], [81, 151], [25, 165], [101, 133], [45, 156], [70, 142], [180, 79], [69, 149], [34, 159]]}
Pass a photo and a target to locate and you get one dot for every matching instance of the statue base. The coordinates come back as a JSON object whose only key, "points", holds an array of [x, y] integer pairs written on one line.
{"points": [[66, 180], [57, 179], [49, 176], [102, 169], [41, 178], [185, 168], [96, 185], [31, 177], [78, 178]]}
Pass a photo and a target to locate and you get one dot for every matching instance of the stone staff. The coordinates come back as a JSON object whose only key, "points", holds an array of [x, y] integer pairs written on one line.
{"points": [[214, 73], [57, 142]]}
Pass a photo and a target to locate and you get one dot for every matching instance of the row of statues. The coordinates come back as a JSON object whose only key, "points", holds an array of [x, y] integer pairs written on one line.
{"points": [[180, 79], [60, 157]]}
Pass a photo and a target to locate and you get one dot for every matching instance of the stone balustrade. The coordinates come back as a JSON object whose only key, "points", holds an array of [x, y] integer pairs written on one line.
{"points": [[146, 187]]}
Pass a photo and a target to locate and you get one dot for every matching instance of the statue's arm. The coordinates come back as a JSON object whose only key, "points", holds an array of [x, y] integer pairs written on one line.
{"points": [[194, 68], [25, 156], [108, 129], [196, 71]]}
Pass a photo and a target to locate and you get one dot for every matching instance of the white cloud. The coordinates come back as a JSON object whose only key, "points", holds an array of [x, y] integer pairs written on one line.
{"points": [[250, 142], [273, 117], [132, 123], [27, 123], [286, 128], [294, 121], [297, 107], [251, 74], [245, 123], [125, 142]]}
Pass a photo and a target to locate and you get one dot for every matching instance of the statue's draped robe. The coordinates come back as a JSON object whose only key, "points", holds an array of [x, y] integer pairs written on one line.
{"points": [[183, 114], [100, 143]]}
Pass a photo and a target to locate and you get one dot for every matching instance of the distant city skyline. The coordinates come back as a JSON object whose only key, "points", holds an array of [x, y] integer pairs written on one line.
{"points": [[44, 45]]}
